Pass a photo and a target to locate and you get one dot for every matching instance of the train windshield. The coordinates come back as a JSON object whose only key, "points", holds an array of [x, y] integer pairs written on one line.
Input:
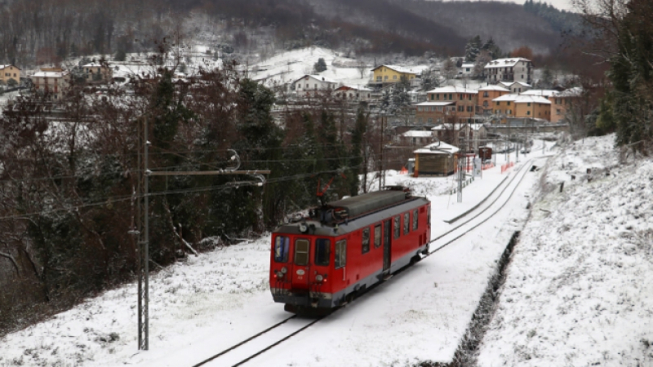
{"points": [[322, 251], [281, 246]]}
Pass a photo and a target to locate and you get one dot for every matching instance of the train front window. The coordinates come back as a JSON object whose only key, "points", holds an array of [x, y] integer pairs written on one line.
{"points": [[341, 253], [301, 252], [406, 223], [397, 226], [281, 245], [322, 251], [366, 240], [415, 223], [377, 236]]}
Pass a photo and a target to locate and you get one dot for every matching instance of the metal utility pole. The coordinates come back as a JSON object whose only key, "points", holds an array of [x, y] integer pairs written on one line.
{"points": [[382, 178], [143, 225]]}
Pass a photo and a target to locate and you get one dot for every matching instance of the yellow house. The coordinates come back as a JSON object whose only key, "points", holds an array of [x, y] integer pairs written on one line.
{"points": [[487, 94], [533, 107], [385, 74], [505, 106], [9, 72], [562, 102]]}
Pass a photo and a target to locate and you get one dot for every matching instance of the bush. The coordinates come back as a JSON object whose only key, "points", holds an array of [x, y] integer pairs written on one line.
{"points": [[320, 65]]}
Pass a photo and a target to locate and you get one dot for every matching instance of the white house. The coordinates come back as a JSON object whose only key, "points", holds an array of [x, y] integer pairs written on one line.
{"points": [[515, 69], [516, 87], [353, 93], [417, 137], [53, 81], [468, 69], [313, 84]]}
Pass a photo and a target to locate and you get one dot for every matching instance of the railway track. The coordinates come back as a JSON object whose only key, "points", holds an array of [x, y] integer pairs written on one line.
{"points": [[252, 347]]}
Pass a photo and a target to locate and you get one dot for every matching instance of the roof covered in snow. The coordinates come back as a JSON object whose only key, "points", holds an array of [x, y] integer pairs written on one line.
{"points": [[453, 89], [435, 103], [399, 69], [494, 87], [502, 63], [8, 65], [417, 134], [50, 74], [540, 92], [437, 148], [318, 78]]}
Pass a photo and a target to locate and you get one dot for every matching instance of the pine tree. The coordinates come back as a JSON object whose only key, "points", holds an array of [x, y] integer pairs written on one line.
{"points": [[473, 48], [320, 66]]}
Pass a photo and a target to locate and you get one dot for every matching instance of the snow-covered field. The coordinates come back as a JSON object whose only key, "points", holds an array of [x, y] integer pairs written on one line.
{"points": [[578, 288]]}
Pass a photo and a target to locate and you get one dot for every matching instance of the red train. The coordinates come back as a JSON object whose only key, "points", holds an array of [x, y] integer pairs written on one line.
{"points": [[322, 261]]}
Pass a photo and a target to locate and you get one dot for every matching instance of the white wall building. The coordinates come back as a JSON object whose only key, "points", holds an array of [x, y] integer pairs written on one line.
{"points": [[515, 69]]}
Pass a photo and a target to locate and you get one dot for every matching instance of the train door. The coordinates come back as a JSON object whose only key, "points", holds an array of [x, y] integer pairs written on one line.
{"points": [[387, 244], [301, 264]]}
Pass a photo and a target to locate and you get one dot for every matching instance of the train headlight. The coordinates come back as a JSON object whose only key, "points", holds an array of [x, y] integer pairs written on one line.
{"points": [[284, 270], [319, 278], [303, 227]]}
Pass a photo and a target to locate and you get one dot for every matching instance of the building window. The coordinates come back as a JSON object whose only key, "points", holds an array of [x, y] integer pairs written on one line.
{"points": [[528, 104], [430, 120], [451, 96], [484, 103], [508, 103], [557, 111], [394, 77], [386, 78], [528, 112], [485, 94]]}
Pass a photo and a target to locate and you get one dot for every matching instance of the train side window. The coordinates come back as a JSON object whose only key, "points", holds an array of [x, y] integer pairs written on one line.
{"points": [[406, 223], [415, 220], [366, 240], [377, 236], [301, 252], [341, 253], [322, 251], [281, 245], [397, 226]]}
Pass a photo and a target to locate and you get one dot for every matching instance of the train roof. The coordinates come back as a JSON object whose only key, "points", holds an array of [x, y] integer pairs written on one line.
{"points": [[355, 206]]}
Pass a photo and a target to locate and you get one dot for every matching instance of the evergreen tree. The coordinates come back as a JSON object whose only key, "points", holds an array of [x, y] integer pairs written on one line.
{"points": [[492, 48], [320, 66], [473, 48]]}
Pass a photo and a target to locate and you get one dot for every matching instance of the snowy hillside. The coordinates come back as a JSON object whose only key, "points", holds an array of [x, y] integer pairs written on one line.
{"points": [[579, 287], [289, 66]]}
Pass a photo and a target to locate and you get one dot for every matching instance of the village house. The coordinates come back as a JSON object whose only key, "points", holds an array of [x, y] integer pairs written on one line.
{"points": [[516, 87], [504, 106], [313, 85], [52, 81], [8, 73], [515, 69], [465, 100], [353, 93], [435, 159], [533, 107], [387, 74], [429, 113], [468, 69], [487, 94], [416, 137], [562, 103], [456, 134], [97, 73]]}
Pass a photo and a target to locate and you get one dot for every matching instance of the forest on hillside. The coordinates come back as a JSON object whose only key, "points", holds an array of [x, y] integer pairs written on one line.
{"points": [[36, 32]]}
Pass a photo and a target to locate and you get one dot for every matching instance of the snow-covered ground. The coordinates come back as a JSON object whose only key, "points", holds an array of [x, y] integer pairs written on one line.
{"points": [[578, 288], [289, 66]]}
